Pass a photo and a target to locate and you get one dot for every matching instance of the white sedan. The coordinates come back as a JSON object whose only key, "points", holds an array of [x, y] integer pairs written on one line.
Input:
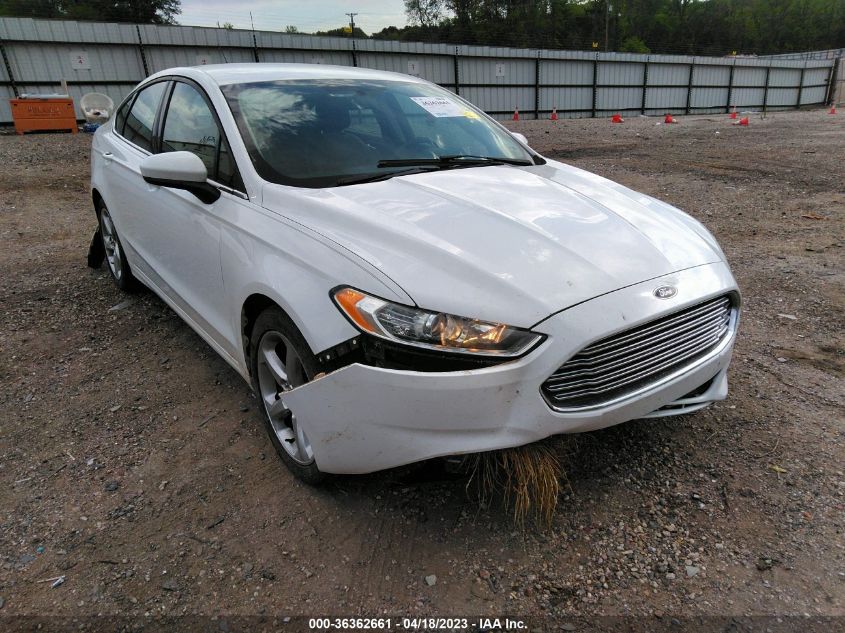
{"points": [[397, 275]]}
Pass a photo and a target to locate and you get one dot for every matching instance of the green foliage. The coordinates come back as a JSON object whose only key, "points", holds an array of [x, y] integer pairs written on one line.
{"points": [[140, 11], [634, 44], [715, 27]]}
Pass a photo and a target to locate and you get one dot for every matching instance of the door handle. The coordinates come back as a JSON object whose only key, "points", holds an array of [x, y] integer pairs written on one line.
{"points": [[107, 156]]}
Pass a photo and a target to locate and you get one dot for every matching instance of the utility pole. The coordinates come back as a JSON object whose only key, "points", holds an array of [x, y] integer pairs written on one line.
{"points": [[352, 23], [607, 9]]}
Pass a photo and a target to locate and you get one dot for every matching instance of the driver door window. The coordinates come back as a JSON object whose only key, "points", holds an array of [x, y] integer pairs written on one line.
{"points": [[190, 126]]}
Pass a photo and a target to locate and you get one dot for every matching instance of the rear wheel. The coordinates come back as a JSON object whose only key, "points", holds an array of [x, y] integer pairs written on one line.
{"points": [[281, 361], [115, 257]]}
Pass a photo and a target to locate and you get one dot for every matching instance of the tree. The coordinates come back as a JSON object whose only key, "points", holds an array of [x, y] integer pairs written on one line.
{"points": [[425, 13], [139, 11], [290, 28]]}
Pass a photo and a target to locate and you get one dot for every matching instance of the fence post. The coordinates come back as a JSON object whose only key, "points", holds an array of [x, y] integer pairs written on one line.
{"points": [[645, 83], [457, 76], [8, 69], [689, 84], [141, 50], [537, 87], [595, 82], [255, 47], [730, 87], [354, 56], [832, 81], [766, 89], [801, 85]]}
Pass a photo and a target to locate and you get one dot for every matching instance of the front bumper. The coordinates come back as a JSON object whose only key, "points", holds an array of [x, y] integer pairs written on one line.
{"points": [[362, 419]]}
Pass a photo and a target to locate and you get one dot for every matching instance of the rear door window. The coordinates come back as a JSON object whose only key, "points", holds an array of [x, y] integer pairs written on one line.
{"points": [[139, 123]]}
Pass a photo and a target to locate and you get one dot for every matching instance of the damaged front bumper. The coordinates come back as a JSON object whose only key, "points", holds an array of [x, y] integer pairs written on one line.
{"points": [[363, 419]]}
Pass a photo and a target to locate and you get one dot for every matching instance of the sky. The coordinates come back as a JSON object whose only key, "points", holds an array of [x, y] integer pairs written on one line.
{"points": [[307, 15]]}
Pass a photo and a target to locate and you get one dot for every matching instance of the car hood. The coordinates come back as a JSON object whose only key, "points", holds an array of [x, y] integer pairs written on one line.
{"points": [[502, 243]]}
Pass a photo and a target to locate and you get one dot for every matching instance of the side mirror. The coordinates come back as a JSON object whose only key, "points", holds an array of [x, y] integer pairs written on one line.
{"points": [[179, 170], [521, 138]]}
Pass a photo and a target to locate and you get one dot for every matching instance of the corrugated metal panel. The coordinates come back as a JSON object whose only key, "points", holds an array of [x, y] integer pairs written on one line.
{"points": [[781, 78], [815, 76], [302, 42], [617, 73], [6, 93], [712, 75], [745, 76], [566, 72], [501, 99], [163, 57], [566, 98], [813, 95], [666, 98], [747, 97], [333, 58], [709, 97], [438, 69], [195, 36], [668, 74], [66, 31], [37, 62], [782, 96], [619, 98], [484, 71]]}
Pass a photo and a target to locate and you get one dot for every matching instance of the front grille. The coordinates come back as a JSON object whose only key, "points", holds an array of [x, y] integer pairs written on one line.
{"points": [[627, 361]]}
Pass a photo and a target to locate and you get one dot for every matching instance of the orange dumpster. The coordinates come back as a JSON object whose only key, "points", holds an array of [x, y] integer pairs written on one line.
{"points": [[45, 113]]}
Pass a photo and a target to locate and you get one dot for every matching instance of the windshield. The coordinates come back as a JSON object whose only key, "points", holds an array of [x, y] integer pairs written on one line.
{"points": [[323, 133]]}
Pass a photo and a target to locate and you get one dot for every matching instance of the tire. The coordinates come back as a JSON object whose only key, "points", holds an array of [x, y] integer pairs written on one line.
{"points": [[281, 360], [115, 255]]}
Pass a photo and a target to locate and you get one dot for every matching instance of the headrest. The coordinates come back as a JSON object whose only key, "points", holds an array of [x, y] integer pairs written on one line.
{"points": [[333, 113]]}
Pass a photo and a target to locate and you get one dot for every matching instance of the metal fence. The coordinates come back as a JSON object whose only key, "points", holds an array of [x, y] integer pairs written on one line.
{"points": [[112, 58]]}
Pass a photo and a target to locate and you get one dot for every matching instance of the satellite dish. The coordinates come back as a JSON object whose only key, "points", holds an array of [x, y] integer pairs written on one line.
{"points": [[96, 107]]}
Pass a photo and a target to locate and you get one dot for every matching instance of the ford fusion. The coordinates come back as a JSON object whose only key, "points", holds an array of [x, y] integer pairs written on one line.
{"points": [[397, 275]]}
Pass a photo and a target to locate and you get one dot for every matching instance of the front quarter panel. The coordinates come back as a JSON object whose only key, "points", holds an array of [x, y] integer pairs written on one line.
{"points": [[263, 253]]}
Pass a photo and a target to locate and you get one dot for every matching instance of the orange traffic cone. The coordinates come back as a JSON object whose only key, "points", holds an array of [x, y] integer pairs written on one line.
{"points": [[833, 109], [732, 115], [516, 114], [742, 121], [554, 115], [617, 118], [669, 119]]}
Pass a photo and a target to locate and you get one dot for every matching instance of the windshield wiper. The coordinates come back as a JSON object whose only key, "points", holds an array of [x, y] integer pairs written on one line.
{"points": [[422, 165], [456, 160], [376, 176]]}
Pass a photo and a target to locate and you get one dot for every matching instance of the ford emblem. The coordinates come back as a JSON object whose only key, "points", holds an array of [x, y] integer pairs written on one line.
{"points": [[665, 292]]}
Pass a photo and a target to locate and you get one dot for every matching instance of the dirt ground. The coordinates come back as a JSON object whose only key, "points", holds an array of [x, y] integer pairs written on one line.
{"points": [[134, 464]]}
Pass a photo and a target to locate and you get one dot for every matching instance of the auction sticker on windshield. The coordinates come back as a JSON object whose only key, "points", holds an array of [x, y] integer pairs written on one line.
{"points": [[439, 106]]}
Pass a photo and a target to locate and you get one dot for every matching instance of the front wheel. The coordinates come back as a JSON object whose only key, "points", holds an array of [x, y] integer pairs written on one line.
{"points": [[281, 360]]}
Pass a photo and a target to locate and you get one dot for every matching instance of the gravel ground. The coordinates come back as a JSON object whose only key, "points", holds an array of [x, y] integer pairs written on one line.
{"points": [[133, 462]]}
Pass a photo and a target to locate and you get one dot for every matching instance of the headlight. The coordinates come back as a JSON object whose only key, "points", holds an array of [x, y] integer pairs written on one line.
{"points": [[433, 330]]}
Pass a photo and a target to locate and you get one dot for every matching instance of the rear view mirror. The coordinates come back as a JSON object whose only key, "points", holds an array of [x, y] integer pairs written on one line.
{"points": [[179, 170]]}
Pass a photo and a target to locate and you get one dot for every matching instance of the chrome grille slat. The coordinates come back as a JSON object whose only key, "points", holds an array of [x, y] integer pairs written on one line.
{"points": [[579, 361], [693, 340], [646, 329], [649, 372], [644, 369], [635, 358]]}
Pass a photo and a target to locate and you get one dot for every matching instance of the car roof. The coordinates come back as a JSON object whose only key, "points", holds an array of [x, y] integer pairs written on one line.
{"points": [[226, 74]]}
